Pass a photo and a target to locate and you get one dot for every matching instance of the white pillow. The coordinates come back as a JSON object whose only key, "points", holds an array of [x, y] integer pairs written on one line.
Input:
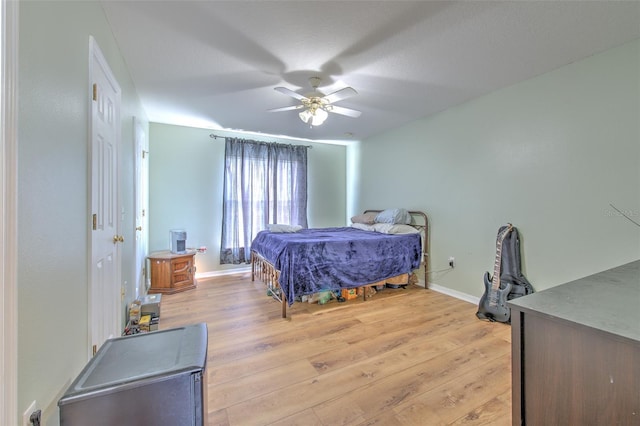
{"points": [[397, 228], [277, 227], [363, 226], [394, 216]]}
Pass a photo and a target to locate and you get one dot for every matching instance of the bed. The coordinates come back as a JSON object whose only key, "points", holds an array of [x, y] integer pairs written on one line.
{"points": [[308, 261]]}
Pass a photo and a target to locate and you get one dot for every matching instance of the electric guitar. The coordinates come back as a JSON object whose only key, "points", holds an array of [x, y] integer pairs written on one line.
{"points": [[493, 304]]}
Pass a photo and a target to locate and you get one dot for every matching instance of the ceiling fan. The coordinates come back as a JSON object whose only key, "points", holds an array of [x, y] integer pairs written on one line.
{"points": [[317, 105]]}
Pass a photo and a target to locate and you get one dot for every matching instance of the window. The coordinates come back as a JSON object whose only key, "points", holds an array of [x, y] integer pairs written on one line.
{"points": [[263, 183]]}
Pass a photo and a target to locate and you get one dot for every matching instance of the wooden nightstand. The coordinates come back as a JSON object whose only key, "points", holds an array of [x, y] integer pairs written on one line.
{"points": [[172, 272]]}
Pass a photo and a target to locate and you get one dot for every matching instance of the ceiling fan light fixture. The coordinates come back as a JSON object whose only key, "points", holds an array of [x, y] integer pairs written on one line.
{"points": [[319, 117], [315, 117], [305, 115], [315, 107]]}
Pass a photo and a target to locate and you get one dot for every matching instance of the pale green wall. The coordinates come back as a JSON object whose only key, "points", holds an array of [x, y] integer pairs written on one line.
{"points": [[186, 182], [53, 223], [548, 155]]}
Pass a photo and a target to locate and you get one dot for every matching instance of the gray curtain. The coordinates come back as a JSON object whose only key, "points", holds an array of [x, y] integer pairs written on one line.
{"points": [[263, 183]]}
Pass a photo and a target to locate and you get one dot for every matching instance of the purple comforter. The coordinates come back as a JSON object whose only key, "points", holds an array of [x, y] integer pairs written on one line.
{"points": [[312, 260]]}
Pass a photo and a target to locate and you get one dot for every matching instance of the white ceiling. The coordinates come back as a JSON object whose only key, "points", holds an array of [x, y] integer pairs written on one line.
{"points": [[215, 64]]}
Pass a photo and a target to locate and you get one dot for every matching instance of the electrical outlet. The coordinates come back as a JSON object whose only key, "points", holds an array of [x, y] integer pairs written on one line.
{"points": [[27, 414], [452, 261]]}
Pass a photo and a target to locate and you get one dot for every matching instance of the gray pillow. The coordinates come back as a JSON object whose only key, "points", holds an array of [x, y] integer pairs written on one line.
{"points": [[394, 216]]}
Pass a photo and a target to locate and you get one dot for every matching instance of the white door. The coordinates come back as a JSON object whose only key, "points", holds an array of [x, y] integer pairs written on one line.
{"points": [[106, 240], [141, 190]]}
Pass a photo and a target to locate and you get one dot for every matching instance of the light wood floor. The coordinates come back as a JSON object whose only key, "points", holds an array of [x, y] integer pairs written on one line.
{"points": [[404, 357]]}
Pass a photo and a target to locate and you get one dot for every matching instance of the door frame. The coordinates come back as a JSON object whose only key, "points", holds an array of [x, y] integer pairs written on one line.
{"points": [[141, 205], [9, 222]]}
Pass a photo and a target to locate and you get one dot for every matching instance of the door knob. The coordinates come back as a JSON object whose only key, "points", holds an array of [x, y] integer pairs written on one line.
{"points": [[138, 228], [118, 239]]}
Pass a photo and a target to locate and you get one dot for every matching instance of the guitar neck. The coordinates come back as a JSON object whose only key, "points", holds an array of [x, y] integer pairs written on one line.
{"points": [[495, 281]]}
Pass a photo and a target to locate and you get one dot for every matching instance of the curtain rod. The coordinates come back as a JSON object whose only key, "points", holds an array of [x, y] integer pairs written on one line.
{"points": [[214, 136]]}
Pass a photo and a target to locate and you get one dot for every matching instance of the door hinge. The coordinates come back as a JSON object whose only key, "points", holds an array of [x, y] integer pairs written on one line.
{"points": [[94, 350], [95, 92], [95, 221]]}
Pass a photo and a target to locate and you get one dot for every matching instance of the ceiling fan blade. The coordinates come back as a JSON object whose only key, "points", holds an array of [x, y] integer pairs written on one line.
{"points": [[290, 92], [343, 111], [288, 108], [347, 92]]}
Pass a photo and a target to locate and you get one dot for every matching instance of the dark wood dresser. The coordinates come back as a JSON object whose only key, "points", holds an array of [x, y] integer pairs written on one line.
{"points": [[576, 352]]}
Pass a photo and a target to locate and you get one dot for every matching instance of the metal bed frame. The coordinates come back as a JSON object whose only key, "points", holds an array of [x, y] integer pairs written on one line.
{"points": [[267, 273]]}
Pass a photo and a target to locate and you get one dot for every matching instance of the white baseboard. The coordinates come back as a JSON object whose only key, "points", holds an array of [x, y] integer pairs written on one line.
{"points": [[233, 271], [454, 293]]}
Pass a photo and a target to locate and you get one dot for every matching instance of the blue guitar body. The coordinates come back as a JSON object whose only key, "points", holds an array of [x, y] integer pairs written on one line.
{"points": [[493, 304]]}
